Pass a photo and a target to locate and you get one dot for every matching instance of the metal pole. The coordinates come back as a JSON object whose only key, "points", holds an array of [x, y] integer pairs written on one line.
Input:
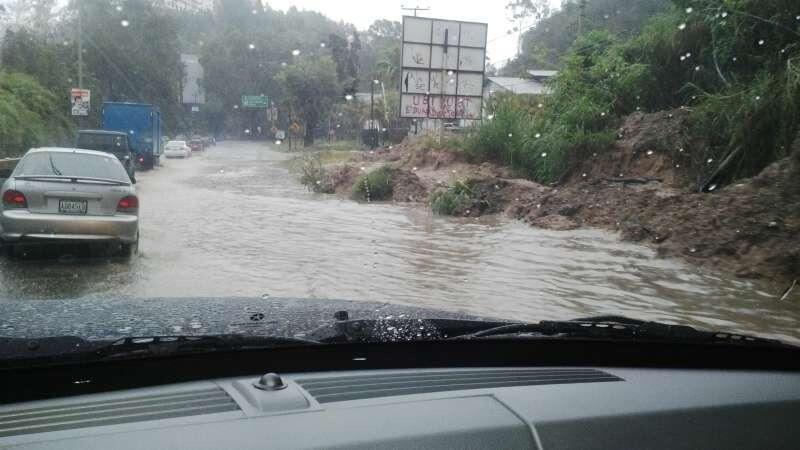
{"points": [[80, 45], [371, 114]]}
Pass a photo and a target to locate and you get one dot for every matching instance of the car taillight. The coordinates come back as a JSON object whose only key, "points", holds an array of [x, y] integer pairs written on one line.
{"points": [[129, 204], [141, 159], [14, 199]]}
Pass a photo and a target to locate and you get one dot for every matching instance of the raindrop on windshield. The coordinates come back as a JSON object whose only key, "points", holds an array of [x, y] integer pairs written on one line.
{"points": [[689, 10], [712, 187], [295, 52], [761, 42], [510, 134], [682, 26], [322, 44], [710, 160], [544, 154], [649, 152], [118, 8], [540, 105], [538, 135], [724, 15], [251, 46], [348, 97], [697, 68], [124, 23], [278, 142]]}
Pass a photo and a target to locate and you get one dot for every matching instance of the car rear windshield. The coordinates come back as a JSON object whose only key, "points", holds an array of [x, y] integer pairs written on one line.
{"points": [[175, 144], [71, 165], [110, 143]]}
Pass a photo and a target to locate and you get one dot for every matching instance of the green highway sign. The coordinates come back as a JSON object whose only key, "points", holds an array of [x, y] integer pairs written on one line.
{"points": [[255, 101]]}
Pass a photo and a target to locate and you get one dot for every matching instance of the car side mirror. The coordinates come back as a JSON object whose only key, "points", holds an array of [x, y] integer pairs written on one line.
{"points": [[133, 180], [126, 157]]}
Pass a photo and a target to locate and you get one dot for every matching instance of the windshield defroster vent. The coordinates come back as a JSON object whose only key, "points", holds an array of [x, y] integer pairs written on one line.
{"points": [[337, 389], [116, 411]]}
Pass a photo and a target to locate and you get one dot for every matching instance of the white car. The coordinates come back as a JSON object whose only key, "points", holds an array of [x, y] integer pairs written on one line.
{"points": [[177, 149]]}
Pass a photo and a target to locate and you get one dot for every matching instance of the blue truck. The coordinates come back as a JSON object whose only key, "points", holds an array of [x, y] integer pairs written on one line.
{"points": [[142, 123]]}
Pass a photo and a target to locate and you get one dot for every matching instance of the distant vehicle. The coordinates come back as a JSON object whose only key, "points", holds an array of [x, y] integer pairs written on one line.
{"points": [[113, 142], [66, 194], [196, 145], [142, 123], [177, 149], [208, 141]]}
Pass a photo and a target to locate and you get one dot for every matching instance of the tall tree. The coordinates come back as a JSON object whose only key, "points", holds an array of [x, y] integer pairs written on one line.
{"points": [[310, 89]]}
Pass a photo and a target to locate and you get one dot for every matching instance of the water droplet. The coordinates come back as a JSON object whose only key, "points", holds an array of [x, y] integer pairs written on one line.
{"points": [[453, 171], [322, 44], [584, 175], [682, 26], [283, 64], [677, 166], [761, 42], [710, 160], [278, 142], [683, 58], [296, 52], [221, 170], [649, 152], [689, 10], [348, 97], [124, 23], [724, 14], [118, 8], [734, 59], [602, 114], [692, 250], [712, 187], [319, 182], [544, 154], [414, 169], [510, 134], [490, 116], [540, 105], [758, 97], [264, 296], [450, 73], [697, 68], [538, 135], [605, 16], [363, 169], [680, 150]]}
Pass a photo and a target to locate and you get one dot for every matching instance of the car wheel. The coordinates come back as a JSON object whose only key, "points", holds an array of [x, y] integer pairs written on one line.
{"points": [[130, 250]]}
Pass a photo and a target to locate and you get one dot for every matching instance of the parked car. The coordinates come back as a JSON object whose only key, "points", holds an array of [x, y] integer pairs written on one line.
{"points": [[177, 149], [196, 145], [143, 125], [113, 142], [69, 194]]}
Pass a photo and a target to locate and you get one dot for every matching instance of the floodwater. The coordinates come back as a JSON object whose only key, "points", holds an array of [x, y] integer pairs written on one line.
{"points": [[233, 222]]}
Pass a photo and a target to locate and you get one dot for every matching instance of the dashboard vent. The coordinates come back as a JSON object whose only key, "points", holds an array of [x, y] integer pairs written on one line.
{"points": [[337, 389], [116, 411]]}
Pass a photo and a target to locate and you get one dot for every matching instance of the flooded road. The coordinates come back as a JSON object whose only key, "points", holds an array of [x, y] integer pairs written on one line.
{"points": [[233, 222]]}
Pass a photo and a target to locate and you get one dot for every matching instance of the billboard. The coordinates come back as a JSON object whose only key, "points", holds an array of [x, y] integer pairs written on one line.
{"points": [[80, 99], [443, 63]]}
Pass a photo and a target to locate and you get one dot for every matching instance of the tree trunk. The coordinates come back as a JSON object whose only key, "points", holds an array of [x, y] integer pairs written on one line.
{"points": [[308, 138]]}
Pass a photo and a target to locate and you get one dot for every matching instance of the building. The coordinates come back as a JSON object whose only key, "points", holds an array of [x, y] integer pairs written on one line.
{"points": [[188, 5], [522, 86]]}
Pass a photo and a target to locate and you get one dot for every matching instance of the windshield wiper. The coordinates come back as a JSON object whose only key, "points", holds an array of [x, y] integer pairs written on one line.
{"points": [[53, 166], [599, 327], [71, 349]]}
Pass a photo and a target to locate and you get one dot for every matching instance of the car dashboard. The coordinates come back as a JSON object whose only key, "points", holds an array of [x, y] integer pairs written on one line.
{"points": [[486, 407]]}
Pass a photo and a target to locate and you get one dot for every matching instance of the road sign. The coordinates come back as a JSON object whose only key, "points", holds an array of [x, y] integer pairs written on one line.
{"points": [[80, 99], [443, 64], [255, 101]]}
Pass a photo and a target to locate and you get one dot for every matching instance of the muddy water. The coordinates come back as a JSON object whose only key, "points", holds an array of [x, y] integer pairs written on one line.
{"points": [[234, 222]]}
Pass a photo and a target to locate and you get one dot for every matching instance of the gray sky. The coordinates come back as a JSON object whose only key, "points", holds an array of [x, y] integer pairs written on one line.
{"points": [[362, 13]]}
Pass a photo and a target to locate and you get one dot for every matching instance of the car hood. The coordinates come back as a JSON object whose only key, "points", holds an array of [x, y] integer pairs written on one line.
{"points": [[116, 317]]}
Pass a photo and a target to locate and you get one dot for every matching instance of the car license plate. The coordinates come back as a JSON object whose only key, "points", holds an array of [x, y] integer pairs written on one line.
{"points": [[72, 206]]}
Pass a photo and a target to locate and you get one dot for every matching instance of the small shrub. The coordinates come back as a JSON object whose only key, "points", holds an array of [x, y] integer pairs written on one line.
{"points": [[375, 185], [452, 200], [314, 176]]}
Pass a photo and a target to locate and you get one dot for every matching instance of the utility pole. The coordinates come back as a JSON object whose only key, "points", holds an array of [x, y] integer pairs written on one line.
{"points": [[80, 45], [415, 9], [581, 16]]}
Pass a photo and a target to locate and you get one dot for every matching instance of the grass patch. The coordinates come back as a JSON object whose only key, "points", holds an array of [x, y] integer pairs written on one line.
{"points": [[453, 199], [375, 185]]}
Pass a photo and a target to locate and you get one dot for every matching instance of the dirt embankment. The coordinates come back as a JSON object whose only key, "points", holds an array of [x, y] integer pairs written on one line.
{"points": [[640, 188]]}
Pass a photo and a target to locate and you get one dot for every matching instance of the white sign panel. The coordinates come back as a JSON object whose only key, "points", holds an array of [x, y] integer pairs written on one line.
{"points": [[443, 63], [415, 81], [80, 99]]}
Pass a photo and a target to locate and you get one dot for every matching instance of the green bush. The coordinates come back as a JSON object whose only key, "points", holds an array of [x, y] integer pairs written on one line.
{"points": [[30, 116], [375, 185], [453, 199]]}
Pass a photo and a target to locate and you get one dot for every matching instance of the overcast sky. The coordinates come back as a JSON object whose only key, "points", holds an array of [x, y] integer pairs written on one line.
{"points": [[362, 13]]}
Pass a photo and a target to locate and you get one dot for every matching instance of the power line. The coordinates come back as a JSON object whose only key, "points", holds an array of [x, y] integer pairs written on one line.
{"points": [[415, 9]]}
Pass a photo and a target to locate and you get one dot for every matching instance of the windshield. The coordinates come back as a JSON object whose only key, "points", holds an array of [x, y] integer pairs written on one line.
{"points": [[63, 164], [110, 143], [514, 160]]}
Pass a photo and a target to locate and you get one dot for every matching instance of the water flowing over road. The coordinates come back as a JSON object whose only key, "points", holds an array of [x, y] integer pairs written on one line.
{"points": [[233, 222]]}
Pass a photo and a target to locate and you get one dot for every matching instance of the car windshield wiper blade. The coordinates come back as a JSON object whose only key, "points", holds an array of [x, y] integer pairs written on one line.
{"points": [[600, 327], [53, 166], [71, 348]]}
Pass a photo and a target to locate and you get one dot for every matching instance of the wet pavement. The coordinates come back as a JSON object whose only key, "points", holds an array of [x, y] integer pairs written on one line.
{"points": [[233, 222]]}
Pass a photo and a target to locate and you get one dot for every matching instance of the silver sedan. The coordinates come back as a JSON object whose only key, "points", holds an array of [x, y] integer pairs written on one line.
{"points": [[65, 194]]}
